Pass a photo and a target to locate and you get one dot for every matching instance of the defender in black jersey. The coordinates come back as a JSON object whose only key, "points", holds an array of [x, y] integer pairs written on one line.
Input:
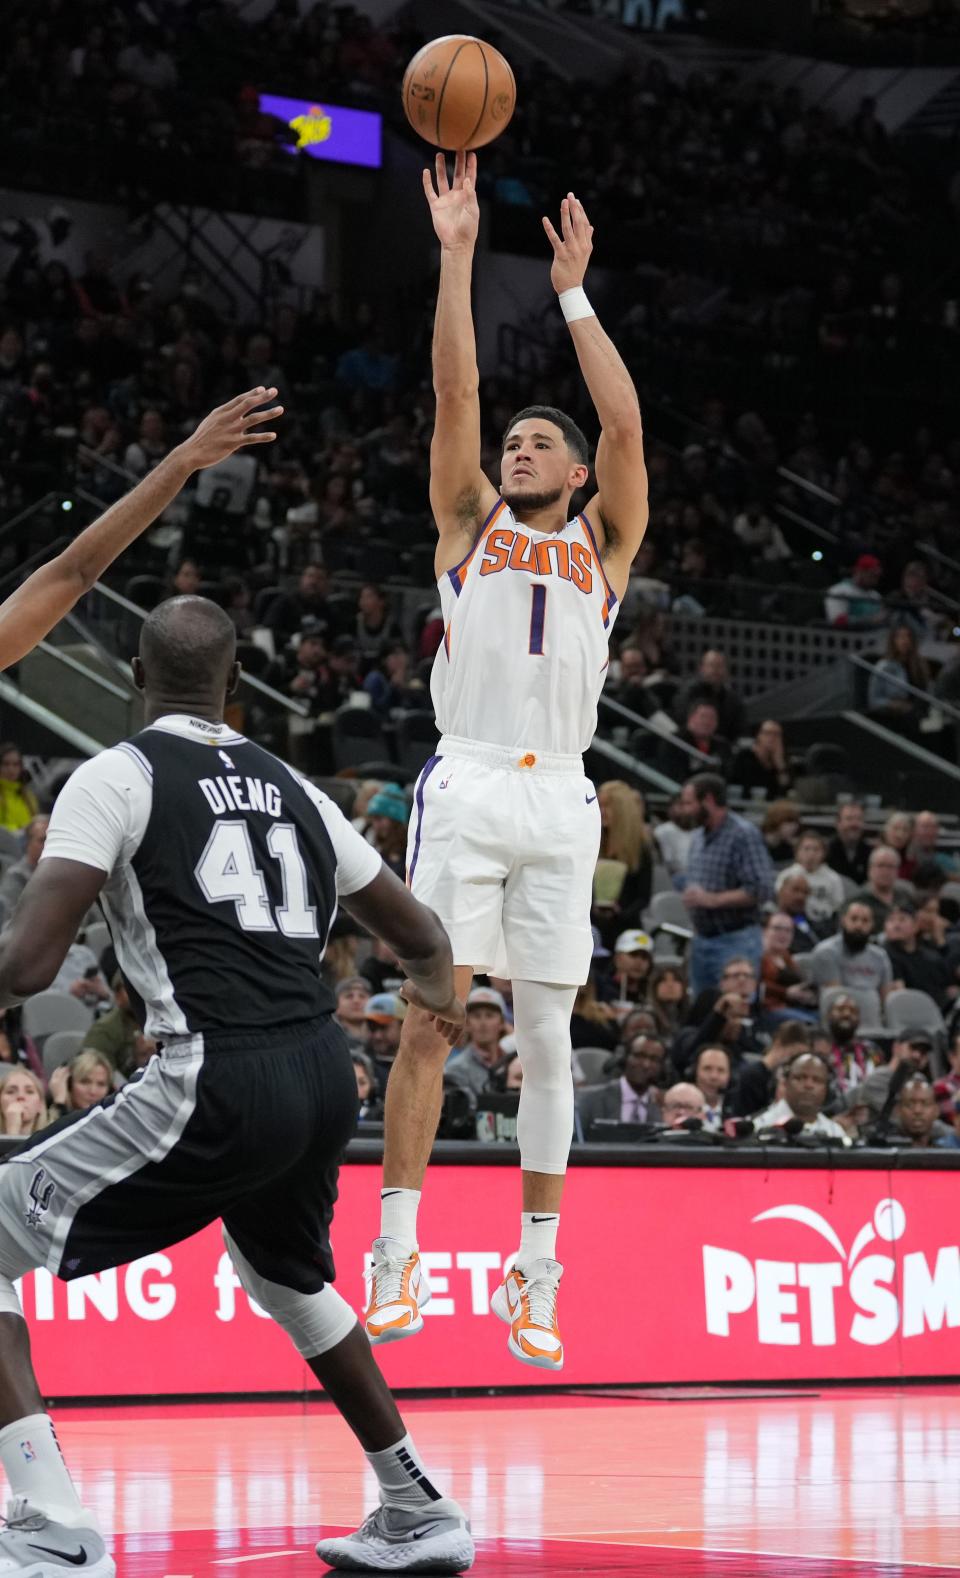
{"points": [[220, 871]]}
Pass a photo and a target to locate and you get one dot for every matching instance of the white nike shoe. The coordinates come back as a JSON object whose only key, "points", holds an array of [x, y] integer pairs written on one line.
{"points": [[433, 1539], [33, 1546], [398, 1292], [527, 1301]]}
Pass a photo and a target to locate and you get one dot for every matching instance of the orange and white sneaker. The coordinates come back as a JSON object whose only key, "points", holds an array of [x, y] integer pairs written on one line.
{"points": [[398, 1292], [527, 1301]]}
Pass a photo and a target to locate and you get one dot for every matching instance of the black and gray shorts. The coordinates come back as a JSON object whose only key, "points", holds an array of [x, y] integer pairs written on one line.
{"points": [[249, 1127]]}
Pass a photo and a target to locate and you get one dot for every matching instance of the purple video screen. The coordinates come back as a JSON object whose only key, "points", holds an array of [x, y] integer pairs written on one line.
{"points": [[329, 131]]}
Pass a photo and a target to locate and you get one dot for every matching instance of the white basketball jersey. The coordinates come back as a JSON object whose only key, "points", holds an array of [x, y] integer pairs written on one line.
{"points": [[527, 617]]}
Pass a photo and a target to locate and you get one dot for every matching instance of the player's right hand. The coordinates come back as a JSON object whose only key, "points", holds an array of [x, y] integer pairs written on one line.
{"points": [[230, 427], [454, 208], [449, 1018]]}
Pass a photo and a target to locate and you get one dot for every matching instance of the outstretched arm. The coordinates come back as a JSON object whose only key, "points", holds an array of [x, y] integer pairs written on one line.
{"points": [[619, 511], [460, 495], [34, 608]]}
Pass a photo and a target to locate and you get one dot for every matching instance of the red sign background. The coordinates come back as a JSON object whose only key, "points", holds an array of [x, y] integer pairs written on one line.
{"points": [[668, 1277]]}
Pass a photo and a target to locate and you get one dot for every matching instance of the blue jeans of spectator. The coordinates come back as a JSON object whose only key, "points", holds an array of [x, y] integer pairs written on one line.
{"points": [[709, 955]]}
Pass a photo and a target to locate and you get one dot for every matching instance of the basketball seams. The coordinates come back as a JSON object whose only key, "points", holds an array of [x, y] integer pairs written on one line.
{"points": [[486, 94], [459, 50]]}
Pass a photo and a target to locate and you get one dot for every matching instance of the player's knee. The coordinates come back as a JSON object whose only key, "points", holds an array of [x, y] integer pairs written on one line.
{"points": [[314, 1322]]}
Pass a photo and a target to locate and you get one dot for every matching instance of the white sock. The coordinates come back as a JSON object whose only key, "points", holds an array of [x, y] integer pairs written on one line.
{"points": [[403, 1478], [33, 1463], [398, 1215], [538, 1236]]}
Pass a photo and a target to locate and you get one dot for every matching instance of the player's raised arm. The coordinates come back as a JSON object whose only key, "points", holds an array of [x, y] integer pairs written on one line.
{"points": [[619, 512], [49, 593], [460, 495]]}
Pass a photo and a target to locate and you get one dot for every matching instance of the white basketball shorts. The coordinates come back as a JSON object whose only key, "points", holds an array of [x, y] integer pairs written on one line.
{"points": [[503, 846]]}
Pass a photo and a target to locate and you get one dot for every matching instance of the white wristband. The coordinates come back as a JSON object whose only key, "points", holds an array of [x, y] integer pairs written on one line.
{"points": [[574, 304]]}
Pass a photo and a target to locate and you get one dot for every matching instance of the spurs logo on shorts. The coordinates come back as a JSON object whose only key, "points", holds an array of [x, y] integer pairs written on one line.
{"points": [[41, 1193]]}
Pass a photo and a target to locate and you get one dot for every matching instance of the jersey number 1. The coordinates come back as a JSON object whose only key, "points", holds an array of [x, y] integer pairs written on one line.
{"points": [[538, 613], [226, 871]]}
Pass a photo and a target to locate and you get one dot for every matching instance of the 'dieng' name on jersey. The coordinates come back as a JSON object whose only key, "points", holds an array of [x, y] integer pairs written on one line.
{"points": [[241, 794], [237, 878]]}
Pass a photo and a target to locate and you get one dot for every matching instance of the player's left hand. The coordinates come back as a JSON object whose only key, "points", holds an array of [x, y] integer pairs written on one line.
{"points": [[449, 1019], [572, 248], [232, 426]]}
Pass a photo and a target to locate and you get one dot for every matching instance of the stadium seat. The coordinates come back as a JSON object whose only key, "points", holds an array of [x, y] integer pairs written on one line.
{"points": [[264, 601], [667, 909], [592, 1061], [871, 1008], [342, 791], [146, 590], [416, 739], [60, 1048], [909, 1008], [11, 846], [358, 737], [47, 1012], [253, 658], [97, 937]]}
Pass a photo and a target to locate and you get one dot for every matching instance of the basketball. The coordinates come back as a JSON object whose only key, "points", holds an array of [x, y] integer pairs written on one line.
{"points": [[459, 92]]}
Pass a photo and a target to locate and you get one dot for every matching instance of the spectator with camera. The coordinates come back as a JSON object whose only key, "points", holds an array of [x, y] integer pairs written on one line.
{"points": [[470, 1065], [802, 1093], [632, 1097]]}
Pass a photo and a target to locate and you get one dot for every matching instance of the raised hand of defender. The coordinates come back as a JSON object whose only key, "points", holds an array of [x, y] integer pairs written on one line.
{"points": [[232, 426], [449, 1017], [453, 207], [572, 247]]}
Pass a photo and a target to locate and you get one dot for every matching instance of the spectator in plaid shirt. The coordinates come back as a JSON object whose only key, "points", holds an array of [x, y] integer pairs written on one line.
{"points": [[730, 877]]}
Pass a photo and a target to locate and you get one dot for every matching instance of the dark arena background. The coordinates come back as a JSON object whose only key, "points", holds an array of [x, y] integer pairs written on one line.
{"points": [[761, 1300]]}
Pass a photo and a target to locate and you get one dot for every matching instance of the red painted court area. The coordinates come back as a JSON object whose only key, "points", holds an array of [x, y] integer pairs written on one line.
{"points": [[861, 1483]]}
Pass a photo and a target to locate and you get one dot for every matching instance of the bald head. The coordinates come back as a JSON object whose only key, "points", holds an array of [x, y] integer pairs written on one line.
{"points": [[188, 647]]}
